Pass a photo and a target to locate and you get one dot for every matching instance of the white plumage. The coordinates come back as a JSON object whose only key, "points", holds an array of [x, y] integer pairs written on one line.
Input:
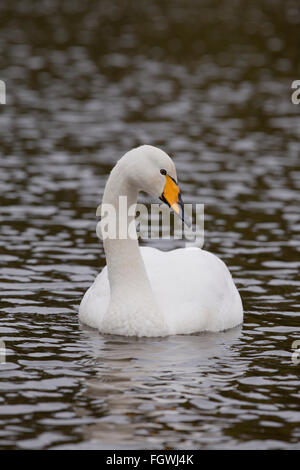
{"points": [[147, 292]]}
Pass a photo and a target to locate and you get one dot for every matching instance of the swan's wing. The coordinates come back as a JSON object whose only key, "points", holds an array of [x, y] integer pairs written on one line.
{"points": [[194, 289]]}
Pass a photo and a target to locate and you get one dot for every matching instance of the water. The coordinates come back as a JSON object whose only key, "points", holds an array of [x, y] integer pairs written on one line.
{"points": [[85, 83]]}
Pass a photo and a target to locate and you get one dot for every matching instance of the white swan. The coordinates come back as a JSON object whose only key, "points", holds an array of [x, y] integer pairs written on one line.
{"points": [[144, 291]]}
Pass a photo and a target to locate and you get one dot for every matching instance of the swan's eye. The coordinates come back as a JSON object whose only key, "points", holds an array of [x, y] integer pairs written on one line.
{"points": [[163, 172]]}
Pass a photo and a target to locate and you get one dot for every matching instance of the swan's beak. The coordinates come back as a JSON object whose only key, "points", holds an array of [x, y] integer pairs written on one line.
{"points": [[172, 197]]}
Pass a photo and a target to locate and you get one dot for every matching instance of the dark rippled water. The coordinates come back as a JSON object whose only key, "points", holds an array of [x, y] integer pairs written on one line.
{"points": [[85, 83]]}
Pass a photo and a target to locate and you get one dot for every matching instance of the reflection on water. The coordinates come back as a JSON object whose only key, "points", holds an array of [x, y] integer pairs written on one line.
{"points": [[85, 83], [162, 385]]}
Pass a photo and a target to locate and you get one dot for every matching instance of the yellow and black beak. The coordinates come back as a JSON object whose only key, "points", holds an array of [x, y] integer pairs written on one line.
{"points": [[172, 197]]}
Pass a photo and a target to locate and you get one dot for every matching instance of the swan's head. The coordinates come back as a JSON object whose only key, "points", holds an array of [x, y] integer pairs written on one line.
{"points": [[153, 171]]}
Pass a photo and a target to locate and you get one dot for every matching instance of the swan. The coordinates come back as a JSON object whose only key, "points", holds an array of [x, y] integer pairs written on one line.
{"points": [[147, 292]]}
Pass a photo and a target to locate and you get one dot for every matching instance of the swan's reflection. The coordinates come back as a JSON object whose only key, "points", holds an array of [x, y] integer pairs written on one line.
{"points": [[157, 390]]}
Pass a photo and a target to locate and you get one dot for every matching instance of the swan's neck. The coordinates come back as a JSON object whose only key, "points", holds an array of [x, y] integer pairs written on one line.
{"points": [[132, 300]]}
